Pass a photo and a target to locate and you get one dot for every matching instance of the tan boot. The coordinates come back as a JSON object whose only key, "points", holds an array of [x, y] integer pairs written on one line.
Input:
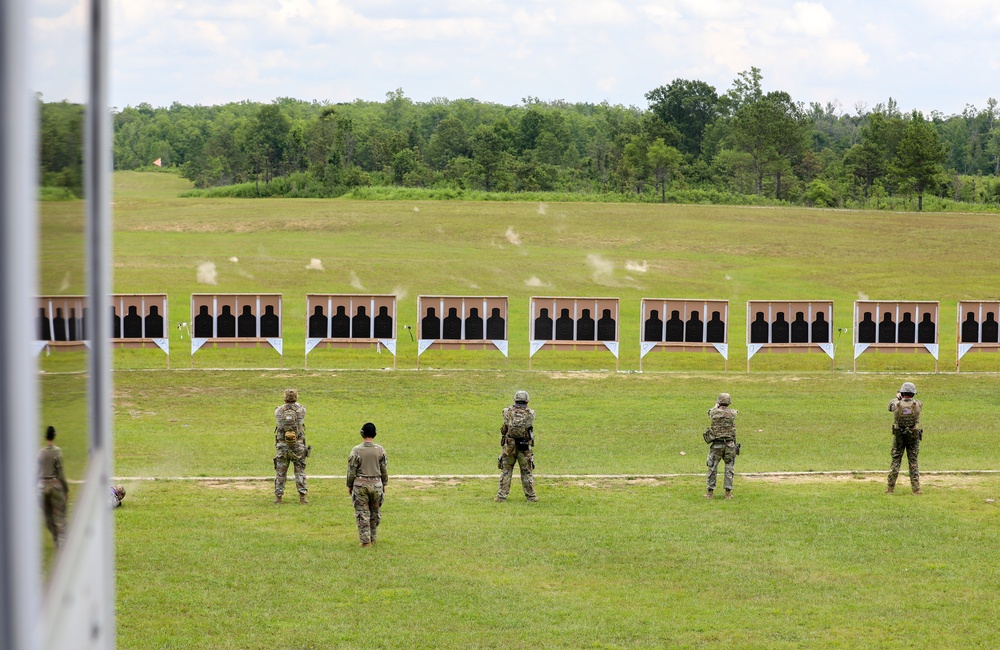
{"points": [[302, 499], [365, 544], [709, 494], [918, 491], [889, 490], [729, 494], [277, 499]]}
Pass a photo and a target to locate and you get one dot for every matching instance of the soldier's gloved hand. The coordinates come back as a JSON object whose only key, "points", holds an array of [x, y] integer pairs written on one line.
{"points": [[899, 396]]}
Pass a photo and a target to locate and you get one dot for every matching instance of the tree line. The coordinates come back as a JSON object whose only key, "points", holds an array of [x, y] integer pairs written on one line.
{"points": [[689, 139]]}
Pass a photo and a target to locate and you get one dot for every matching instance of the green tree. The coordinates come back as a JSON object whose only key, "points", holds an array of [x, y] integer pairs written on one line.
{"points": [[449, 140], [665, 161], [489, 155], [771, 131], [687, 106], [919, 157]]}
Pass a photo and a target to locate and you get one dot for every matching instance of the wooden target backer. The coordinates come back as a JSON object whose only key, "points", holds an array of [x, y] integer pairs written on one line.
{"points": [[896, 326], [139, 320], [61, 323], [789, 326], [978, 322], [684, 325], [236, 320], [462, 322], [350, 321], [573, 323]]}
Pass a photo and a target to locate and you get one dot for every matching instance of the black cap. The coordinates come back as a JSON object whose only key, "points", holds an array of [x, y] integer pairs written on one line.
{"points": [[368, 430], [51, 433]]}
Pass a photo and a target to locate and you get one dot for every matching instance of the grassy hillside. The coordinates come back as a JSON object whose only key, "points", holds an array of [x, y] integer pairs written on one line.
{"points": [[605, 563], [525, 249]]}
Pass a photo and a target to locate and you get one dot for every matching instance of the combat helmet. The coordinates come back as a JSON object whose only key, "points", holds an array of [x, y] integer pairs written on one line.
{"points": [[908, 387], [119, 491], [521, 396], [724, 399], [291, 395]]}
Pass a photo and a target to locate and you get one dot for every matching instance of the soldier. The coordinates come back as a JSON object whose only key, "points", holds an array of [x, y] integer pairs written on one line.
{"points": [[905, 435], [517, 437], [290, 445], [722, 438], [53, 487], [367, 474], [117, 496]]}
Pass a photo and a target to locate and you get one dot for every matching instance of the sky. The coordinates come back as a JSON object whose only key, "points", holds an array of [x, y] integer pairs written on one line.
{"points": [[929, 55]]}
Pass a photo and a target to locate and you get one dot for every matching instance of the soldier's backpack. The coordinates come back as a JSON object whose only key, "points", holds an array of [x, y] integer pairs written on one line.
{"points": [[289, 424], [907, 414], [521, 422]]}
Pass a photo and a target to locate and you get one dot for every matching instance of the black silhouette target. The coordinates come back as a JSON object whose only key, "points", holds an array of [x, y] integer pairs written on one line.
{"points": [[349, 318], [896, 326], [572, 323], [462, 323], [60, 322], [778, 326], [978, 327], [684, 325], [349, 321], [235, 320]]}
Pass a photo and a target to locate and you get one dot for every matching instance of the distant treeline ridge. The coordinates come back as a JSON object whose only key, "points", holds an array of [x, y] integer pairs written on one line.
{"points": [[689, 144]]}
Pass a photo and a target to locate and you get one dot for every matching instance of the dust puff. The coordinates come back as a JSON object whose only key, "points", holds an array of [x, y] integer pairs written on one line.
{"points": [[207, 273], [638, 267], [512, 236], [315, 264], [862, 295], [356, 282], [400, 293], [543, 208], [234, 260], [416, 209], [65, 283], [603, 268], [534, 281]]}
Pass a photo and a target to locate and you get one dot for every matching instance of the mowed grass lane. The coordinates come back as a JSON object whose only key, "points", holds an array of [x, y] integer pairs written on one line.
{"points": [[220, 423], [594, 564]]}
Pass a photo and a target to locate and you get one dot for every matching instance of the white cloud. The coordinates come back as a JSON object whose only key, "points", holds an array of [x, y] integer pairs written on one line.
{"points": [[809, 19], [218, 51], [607, 83]]}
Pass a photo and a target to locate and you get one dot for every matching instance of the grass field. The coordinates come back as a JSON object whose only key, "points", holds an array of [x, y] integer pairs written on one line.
{"points": [[809, 561]]}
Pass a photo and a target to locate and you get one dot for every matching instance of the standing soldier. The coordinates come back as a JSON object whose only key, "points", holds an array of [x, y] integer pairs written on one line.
{"points": [[517, 437], [367, 474], [53, 487], [722, 438], [905, 435], [290, 445]]}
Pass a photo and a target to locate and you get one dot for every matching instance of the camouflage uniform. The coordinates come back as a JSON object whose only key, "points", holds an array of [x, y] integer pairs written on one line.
{"points": [[517, 450], [722, 437], [905, 437], [288, 452], [53, 491], [367, 475]]}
